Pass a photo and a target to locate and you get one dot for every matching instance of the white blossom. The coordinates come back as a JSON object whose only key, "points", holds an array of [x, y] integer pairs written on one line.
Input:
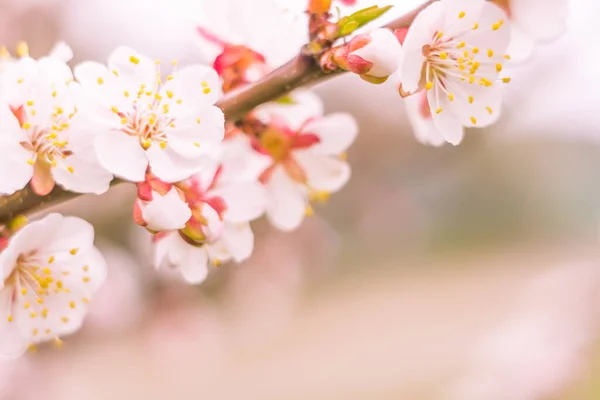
{"points": [[223, 200], [455, 50], [140, 120], [306, 157], [49, 271], [44, 139]]}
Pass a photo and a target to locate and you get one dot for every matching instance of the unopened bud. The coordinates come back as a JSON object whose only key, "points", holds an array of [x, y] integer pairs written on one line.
{"points": [[375, 55]]}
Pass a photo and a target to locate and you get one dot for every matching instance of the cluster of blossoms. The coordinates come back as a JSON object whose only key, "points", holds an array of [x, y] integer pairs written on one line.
{"points": [[449, 65], [201, 180]]}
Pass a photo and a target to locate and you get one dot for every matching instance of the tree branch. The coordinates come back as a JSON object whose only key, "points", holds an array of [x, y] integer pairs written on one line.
{"points": [[301, 71]]}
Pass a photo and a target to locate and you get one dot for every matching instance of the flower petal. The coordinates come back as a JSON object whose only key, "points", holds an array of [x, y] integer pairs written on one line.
{"points": [[335, 131], [245, 201], [168, 212], [423, 128], [239, 240], [16, 171], [286, 201], [133, 67], [122, 155], [87, 175], [383, 51], [170, 166], [323, 173]]}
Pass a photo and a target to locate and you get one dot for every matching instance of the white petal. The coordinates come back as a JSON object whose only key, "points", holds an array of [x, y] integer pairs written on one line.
{"points": [[122, 155], [426, 24], [521, 45], [336, 132], [239, 240], [286, 201], [245, 201], [197, 86], [61, 51], [485, 37], [15, 171], [12, 341], [191, 261], [384, 52], [214, 224], [483, 111], [168, 212], [241, 163], [170, 166], [423, 128], [132, 66], [88, 175], [447, 122], [65, 234], [322, 172]]}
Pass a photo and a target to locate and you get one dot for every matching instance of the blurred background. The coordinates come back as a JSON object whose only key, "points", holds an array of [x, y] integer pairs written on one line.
{"points": [[460, 273]]}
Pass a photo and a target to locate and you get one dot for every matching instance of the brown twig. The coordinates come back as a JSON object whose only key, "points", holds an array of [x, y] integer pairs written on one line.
{"points": [[301, 71]]}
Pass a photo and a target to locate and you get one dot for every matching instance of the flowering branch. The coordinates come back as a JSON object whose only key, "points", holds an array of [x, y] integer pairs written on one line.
{"points": [[301, 71]]}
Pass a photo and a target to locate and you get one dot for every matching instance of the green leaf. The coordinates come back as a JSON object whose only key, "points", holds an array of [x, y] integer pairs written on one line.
{"points": [[360, 18], [286, 100]]}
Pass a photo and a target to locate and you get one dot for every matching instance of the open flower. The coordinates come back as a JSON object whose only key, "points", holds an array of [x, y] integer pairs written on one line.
{"points": [[533, 21], [223, 199], [42, 138], [142, 121], [455, 50], [48, 274], [306, 157]]}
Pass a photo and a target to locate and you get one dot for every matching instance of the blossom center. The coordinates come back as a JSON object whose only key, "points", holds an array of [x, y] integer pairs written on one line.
{"points": [[149, 118]]}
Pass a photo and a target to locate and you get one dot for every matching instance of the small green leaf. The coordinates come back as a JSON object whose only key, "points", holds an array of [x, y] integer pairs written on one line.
{"points": [[360, 18], [286, 100]]}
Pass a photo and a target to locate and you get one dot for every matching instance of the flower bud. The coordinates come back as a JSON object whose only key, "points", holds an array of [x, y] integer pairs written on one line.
{"points": [[375, 55], [164, 212]]}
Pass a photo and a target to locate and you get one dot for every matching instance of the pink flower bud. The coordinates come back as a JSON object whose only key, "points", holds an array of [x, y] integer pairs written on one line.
{"points": [[375, 55]]}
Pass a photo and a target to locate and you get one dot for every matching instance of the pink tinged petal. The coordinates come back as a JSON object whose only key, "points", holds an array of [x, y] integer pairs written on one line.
{"points": [[82, 175], [213, 228], [384, 52], [239, 240], [423, 126], [42, 181], [539, 19], [90, 271], [245, 201], [14, 166], [12, 341], [324, 173], [447, 122], [170, 166], [164, 213], [133, 67], [286, 202], [122, 155], [335, 131]]}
